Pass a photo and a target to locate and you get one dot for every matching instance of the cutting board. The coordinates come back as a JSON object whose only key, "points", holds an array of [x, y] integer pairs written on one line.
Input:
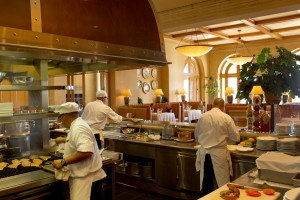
{"points": [[215, 195]]}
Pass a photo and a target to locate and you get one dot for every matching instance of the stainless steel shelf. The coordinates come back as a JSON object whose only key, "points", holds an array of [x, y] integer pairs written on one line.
{"points": [[26, 116], [33, 87]]}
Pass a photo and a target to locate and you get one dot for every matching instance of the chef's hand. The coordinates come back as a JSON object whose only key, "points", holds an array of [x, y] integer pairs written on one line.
{"points": [[57, 164], [59, 140]]}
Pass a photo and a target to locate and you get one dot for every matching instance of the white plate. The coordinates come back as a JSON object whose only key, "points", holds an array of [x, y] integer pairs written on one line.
{"points": [[177, 140], [244, 149], [293, 194]]}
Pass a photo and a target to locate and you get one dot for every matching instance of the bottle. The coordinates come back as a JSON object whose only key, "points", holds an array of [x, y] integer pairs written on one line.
{"points": [[265, 121], [249, 118]]}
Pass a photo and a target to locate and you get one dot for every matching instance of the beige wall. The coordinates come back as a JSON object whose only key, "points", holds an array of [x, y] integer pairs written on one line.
{"points": [[170, 77]]}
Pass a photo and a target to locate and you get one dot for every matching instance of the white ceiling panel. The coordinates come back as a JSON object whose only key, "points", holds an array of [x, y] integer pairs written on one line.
{"points": [[220, 20]]}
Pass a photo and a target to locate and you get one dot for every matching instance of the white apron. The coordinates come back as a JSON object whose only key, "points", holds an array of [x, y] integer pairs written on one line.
{"points": [[221, 161], [80, 187]]}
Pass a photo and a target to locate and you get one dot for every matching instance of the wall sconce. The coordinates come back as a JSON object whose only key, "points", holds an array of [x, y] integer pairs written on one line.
{"points": [[158, 93], [127, 94], [183, 93], [228, 92]]}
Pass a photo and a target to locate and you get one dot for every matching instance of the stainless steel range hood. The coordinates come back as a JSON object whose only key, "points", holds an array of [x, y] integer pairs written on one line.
{"points": [[69, 50]]}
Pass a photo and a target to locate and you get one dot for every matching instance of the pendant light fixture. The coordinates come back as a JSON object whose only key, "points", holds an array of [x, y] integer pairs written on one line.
{"points": [[193, 50], [239, 59]]}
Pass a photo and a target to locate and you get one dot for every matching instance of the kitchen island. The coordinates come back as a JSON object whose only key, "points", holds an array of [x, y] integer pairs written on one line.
{"points": [[173, 162]]}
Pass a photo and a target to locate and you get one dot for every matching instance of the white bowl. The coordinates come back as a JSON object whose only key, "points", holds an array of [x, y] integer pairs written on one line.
{"points": [[22, 80]]}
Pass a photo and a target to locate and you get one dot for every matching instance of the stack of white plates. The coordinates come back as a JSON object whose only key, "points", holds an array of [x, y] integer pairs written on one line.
{"points": [[297, 129], [289, 146], [6, 109], [293, 194], [266, 143], [283, 129]]}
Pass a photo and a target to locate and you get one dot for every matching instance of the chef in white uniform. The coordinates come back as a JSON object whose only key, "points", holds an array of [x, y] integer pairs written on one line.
{"points": [[214, 130], [97, 114], [81, 153]]}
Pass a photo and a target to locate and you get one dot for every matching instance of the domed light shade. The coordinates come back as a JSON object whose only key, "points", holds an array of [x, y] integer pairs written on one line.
{"points": [[158, 93], [256, 92], [193, 50], [182, 92], [229, 91], [127, 94], [257, 89], [240, 60]]}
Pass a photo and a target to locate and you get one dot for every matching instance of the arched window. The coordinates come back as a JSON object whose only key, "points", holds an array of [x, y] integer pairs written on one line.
{"points": [[229, 77], [297, 98], [191, 79]]}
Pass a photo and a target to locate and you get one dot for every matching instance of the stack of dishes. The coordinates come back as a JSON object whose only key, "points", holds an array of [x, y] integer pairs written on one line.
{"points": [[266, 143], [289, 146], [297, 129], [6, 109], [293, 194], [283, 129]]}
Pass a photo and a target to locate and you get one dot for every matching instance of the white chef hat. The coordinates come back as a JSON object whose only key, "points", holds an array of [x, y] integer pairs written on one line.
{"points": [[68, 107], [101, 93]]}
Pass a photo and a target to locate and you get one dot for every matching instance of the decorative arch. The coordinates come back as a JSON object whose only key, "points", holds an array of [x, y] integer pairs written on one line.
{"points": [[229, 77], [192, 79], [297, 52]]}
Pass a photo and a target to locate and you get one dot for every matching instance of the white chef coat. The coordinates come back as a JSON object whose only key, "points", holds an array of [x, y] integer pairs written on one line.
{"points": [[214, 130], [96, 114], [82, 174]]}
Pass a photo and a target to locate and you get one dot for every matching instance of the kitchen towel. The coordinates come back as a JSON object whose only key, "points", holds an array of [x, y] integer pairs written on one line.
{"points": [[62, 174]]}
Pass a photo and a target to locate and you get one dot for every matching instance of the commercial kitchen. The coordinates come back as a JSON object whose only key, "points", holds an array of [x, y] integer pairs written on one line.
{"points": [[54, 52]]}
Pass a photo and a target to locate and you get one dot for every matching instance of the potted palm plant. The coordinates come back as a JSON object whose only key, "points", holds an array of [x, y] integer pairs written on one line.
{"points": [[212, 87], [276, 74]]}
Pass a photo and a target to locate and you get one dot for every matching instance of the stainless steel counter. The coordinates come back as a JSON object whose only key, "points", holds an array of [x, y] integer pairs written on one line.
{"points": [[22, 182], [43, 182], [176, 145]]}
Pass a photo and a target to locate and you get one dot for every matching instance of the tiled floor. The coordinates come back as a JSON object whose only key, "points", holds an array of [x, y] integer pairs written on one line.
{"points": [[125, 192]]}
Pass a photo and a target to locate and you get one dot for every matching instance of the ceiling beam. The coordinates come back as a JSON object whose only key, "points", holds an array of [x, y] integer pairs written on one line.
{"points": [[251, 23], [278, 19]]}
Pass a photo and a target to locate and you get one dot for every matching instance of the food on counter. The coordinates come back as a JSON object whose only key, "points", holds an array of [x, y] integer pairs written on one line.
{"points": [[33, 157], [269, 191], [45, 158], [253, 193], [3, 165], [24, 160], [232, 194], [184, 135], [36, 162], [247, 143], [251, 140], [13, 166], [26, 163], [16, 161]]}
